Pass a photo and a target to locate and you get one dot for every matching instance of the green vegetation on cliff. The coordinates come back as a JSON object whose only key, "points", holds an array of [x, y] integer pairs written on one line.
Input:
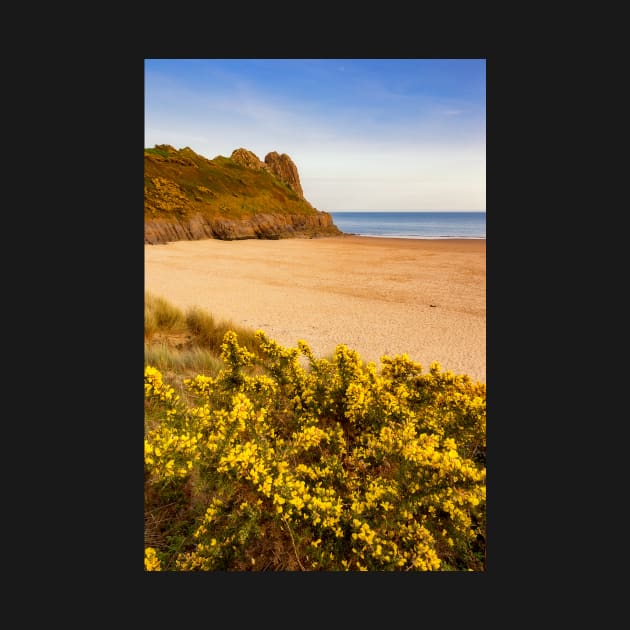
{"points": [[182, 187]]}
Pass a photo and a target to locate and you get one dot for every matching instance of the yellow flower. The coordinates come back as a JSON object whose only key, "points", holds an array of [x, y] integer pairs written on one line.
{"points": [[151, 561]]}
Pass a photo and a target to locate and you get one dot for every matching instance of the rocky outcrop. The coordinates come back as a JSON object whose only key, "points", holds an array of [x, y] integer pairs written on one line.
{"points": [[188, 197], [248, 159], [284, 169], [263, 226], [281, 166]]}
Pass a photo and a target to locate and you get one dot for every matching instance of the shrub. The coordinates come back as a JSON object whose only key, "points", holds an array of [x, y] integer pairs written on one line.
{"points": [[333, 466]]}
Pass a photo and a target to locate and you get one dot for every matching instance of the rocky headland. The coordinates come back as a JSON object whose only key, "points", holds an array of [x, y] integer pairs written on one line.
{"points": [[189, 197]]}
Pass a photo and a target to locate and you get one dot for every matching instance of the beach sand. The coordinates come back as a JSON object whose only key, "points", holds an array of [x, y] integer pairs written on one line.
{"points": [[379, 296]]}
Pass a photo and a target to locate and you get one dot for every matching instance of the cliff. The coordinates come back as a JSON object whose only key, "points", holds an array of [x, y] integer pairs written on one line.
{"points": [[189, 197]]}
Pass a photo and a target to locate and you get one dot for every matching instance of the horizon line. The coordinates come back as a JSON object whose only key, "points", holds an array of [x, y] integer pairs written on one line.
{"points": [[398, 210]]}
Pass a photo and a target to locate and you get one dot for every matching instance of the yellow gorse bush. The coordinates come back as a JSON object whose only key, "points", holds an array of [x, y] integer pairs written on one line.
{"points": [[151, 561], [333, 466]]}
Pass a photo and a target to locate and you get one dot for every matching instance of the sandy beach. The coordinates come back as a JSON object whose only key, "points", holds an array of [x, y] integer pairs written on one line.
{"points": [[379, 296]]}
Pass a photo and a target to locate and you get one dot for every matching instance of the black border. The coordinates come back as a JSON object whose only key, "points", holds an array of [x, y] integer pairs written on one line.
{"points": [[111, 256]]}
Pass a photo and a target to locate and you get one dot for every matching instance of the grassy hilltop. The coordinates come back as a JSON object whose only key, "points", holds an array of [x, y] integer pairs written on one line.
{"points": [[229, 198]]}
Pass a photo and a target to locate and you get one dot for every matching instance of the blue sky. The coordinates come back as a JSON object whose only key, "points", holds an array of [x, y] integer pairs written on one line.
{"points": [[365, 134]]}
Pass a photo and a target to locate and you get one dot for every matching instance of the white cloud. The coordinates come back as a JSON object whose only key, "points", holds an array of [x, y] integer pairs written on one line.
{"points": [[354, 158]]}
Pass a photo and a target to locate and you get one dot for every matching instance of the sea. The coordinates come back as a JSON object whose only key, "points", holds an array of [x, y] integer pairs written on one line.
{"points": [[421, 224]]}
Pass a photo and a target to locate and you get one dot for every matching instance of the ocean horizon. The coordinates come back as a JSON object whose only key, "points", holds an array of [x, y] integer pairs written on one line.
{"points": [[412, 224]]}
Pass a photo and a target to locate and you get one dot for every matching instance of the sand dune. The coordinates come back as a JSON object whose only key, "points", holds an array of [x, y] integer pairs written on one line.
{"points": [[379, 296]]}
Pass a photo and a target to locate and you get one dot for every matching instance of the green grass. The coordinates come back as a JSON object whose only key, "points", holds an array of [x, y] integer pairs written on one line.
{"points": [[190, 184], [196, 359], [155, 151], [187, 341], [160, 315], [209, 332]]}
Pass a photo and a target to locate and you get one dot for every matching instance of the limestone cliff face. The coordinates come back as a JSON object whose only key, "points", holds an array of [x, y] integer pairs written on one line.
{"points": [[284, 169], [281, 166], [189, 197], [248, 159], [265, 226]]}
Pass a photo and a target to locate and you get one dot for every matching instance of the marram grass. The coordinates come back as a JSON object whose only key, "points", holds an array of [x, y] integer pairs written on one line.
{"points": [[169, 331], [336, 466]]}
